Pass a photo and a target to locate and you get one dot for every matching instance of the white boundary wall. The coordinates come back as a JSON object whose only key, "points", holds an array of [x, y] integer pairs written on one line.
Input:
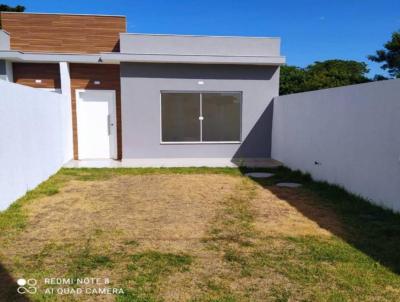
{"points": [[352, 131], [35, 139]]}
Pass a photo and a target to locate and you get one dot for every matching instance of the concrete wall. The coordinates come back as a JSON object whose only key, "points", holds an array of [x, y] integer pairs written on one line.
{"points": [[352, 131], [199, 45], [141, 85], [34, 142]]}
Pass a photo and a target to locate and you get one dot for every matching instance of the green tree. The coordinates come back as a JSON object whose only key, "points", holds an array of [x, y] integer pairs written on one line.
{"points": [[325, 74], [7, 8], [389, 56], [334, 73], [292, 79]]}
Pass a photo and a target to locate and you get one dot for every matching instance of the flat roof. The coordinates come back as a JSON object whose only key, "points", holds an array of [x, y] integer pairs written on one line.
{"points": [[196, 45], [199, 36]]}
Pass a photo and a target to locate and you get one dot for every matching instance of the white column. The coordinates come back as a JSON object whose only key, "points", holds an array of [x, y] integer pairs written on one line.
{"points": [[9, 72], [6, 73], [5, 45], [65, 79], [66, 91]]}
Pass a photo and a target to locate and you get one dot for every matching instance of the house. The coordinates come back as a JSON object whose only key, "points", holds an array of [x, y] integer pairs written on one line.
{"points": [[148, 99]]}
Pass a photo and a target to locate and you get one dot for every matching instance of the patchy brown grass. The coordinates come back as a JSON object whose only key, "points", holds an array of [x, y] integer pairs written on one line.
{"points": [[158, 211], [189, 237], [275, 216]]}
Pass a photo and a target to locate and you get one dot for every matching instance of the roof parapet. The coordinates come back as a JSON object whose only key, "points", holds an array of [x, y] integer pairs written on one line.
{"points": [[4, 40], [182, 45]]}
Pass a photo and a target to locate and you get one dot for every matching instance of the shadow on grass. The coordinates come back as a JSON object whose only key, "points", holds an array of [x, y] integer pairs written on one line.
{"points": [[371, 229], [8, 287]]}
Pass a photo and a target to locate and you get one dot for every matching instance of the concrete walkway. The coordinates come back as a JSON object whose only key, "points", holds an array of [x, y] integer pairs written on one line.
{"points": [[172, 162]]}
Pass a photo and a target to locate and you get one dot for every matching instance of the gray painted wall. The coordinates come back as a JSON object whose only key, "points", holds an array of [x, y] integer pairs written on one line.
{"points": [[199, 45], [141, 85], [353, 131], [4, 40]]}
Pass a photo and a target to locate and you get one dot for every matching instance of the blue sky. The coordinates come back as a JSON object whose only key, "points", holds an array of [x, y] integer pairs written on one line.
{"points": [[310, 30]]}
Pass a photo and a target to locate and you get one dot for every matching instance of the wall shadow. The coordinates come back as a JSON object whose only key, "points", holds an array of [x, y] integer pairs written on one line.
{"points": [[28, 73], [116, 47], [8, 287], [3, 67], [257, 144], [373, 230], [197, 71]]}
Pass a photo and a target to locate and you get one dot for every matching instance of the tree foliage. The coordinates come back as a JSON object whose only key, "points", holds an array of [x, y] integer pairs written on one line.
{"points": [[325, 74], [293, 80], [7, 8], [390, 56]]}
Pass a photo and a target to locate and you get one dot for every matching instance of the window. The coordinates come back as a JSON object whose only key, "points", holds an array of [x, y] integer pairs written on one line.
{"points": [[200, 117], [180, 117]]}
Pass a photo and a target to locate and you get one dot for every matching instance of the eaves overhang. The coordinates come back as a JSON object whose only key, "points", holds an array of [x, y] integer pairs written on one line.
{"points": [[116, 58], [18, 56], [192, 59]]}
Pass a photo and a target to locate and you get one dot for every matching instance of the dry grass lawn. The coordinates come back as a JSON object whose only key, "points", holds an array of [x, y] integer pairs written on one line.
{"points": [[198, 236]]}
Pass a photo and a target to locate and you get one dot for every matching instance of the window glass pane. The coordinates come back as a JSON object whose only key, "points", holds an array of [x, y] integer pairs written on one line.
{"points": [[180, 117], [221, 112]]}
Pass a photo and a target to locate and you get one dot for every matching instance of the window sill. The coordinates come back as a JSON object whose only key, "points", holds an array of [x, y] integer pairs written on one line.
{"points": [[201, 143]]}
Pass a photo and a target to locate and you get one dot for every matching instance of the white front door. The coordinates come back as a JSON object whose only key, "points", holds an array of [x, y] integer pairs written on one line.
{"points": [[96, 119]]}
